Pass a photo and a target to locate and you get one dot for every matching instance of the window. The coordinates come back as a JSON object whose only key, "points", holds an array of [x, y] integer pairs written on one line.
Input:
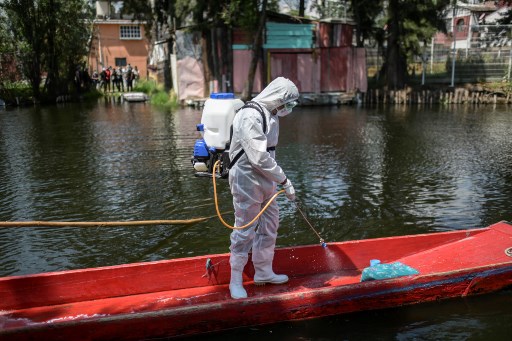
{"points": [[460, 25], [120, 62], [130, 32]]}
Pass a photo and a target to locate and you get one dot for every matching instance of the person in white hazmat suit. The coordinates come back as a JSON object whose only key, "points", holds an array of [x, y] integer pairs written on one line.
{"points": [[253, 180]]}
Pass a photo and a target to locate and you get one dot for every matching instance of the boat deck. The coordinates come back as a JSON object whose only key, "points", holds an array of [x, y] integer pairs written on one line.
{"points": [[190, 291]]}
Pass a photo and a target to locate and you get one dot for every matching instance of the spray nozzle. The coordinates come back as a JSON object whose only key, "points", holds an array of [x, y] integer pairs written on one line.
{"points": [[323, 243]]}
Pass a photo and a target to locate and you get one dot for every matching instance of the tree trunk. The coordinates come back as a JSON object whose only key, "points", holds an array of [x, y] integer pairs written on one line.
{"points": [[52, 64], [33, 71], [359, 30], [227, 53], [396, 61], [256, 48], [206, 60], [35, 75], [167, 66], [222, 38], [171, 33], [214, 53]]}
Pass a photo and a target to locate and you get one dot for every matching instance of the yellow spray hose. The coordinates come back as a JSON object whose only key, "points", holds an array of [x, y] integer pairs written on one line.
{"points": [[217, 204]]}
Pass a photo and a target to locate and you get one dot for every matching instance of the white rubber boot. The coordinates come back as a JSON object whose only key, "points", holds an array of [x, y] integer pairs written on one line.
{"points": [[264, 274], [236, 287]]}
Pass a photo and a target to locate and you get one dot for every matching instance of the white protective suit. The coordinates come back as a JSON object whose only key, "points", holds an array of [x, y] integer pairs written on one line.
{"points": [[253, 181]]}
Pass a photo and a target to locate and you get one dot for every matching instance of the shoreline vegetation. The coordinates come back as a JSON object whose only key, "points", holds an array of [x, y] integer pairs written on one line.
{"points": [[157, 94], [19, 94]]}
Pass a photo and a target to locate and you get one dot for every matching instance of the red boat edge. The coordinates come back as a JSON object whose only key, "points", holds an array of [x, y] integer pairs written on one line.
{"points": [[190, 295]]}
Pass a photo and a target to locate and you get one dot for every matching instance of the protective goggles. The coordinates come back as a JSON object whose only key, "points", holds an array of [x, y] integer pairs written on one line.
{"points": [[290, 105]]}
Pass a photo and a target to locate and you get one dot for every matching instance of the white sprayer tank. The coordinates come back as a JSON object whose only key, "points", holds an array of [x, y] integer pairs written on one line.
{"points": [[218, 114]]}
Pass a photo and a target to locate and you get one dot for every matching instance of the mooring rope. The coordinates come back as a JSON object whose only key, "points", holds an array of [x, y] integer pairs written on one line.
{"points": [[102, 223]]}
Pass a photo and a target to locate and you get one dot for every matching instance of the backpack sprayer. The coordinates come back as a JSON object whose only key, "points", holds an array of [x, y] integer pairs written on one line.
{"points": [[216, 128], [211, 151]]}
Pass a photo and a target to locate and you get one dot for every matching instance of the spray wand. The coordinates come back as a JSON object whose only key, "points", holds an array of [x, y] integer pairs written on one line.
{"points": [[322, 241]]}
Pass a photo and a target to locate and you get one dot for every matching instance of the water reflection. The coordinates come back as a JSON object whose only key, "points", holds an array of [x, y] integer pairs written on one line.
{"points": [[361, 173]]}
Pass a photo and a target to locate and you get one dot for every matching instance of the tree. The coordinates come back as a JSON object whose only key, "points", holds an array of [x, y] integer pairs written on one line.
{"points": [[28, 35], [256, 49], [6, 44], [399, 27], [215, 20], [7, 65], [331, 9], [50, 36], [160, 17], [366, 15], [409, 23], [211, 18], [297, 7]]}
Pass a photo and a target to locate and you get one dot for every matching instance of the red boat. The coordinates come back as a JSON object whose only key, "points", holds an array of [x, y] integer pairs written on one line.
{"points": [[190, 295]]}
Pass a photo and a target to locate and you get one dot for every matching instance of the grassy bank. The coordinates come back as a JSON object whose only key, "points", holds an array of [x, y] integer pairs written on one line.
{"points": [[157, 94], [15, 93], [20, 93]]}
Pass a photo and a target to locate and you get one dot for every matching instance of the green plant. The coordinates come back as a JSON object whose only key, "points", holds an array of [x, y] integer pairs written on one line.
{"points": [[10, 91], [148, 87], [160, 99], [158, 96]]}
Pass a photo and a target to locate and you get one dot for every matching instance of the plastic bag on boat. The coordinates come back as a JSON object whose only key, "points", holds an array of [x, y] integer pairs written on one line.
{"points": [[384, 271]]}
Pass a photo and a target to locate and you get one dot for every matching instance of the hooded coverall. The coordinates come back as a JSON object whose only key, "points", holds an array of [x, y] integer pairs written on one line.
{"points": [[253, 181]]}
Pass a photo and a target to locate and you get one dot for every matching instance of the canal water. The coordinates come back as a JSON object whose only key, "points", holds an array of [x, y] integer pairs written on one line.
{"points": [[360, 172]]}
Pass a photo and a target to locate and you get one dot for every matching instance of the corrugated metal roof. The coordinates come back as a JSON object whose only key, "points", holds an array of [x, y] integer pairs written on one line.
{"points": [[283, 36]]}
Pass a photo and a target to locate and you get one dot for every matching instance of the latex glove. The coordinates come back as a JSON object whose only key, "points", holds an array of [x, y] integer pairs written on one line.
{"points": [[289, 190]]}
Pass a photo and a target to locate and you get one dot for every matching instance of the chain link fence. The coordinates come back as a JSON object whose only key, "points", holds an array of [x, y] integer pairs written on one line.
{"points": [[485, 55]]}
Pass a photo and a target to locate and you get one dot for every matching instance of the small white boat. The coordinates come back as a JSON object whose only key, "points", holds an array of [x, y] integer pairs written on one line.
{"points": [[134, 97]]}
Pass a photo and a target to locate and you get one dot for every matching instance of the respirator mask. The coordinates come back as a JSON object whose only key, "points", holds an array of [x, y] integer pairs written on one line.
{"points": [[288, 107]]}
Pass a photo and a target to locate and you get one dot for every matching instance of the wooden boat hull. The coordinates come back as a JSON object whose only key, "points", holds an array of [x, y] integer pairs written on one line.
{"points": [[185, 296]]}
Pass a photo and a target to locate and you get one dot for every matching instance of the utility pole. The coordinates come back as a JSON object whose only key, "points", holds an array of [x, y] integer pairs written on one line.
{"points": [[454, 40]]}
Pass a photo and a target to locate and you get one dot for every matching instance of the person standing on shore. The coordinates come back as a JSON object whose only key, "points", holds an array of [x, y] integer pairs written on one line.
{"points": [[129, 78], [108, 78], [135, 75], [103, 80]]}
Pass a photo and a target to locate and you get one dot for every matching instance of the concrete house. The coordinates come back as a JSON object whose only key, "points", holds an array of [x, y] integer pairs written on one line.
{"points": [[469, 25], [117, 40]]}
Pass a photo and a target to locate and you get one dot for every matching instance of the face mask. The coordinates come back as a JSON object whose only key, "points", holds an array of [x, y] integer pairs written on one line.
{"points": [[288, 107]]}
